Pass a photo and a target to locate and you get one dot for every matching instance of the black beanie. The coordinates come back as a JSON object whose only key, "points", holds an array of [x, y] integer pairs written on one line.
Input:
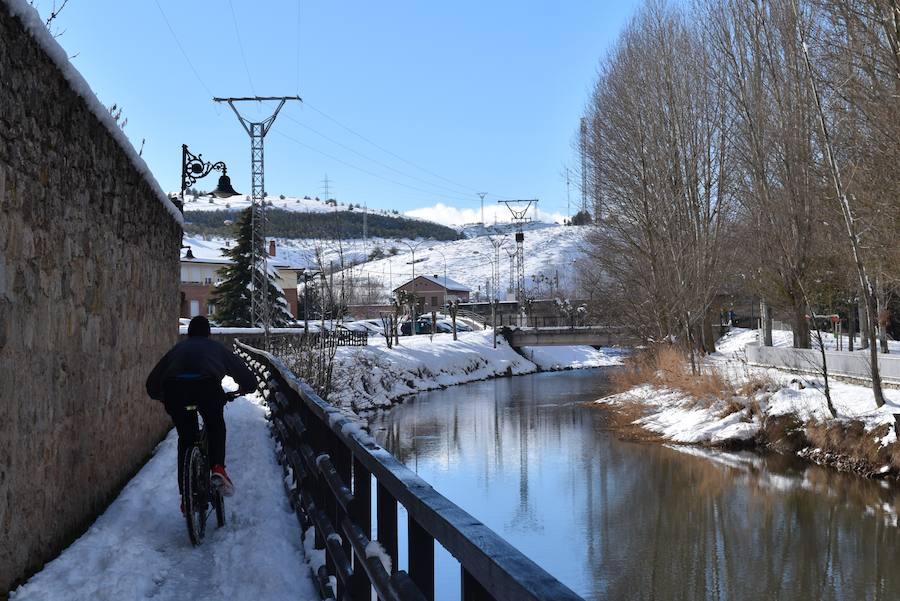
{"points": [[199, 326]]}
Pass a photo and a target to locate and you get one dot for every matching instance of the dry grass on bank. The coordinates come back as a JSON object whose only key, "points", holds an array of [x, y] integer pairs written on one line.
{"points": [[666, 366]]}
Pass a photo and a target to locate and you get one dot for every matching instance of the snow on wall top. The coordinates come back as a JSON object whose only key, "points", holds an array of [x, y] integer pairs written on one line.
{"points": [[34, 25]]}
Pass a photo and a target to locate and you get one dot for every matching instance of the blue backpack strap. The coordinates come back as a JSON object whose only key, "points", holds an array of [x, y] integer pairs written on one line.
{"points": [[189, 376]]}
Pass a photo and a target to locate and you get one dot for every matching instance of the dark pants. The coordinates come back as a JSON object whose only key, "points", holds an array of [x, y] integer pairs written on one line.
{"points": [[209, 399]]}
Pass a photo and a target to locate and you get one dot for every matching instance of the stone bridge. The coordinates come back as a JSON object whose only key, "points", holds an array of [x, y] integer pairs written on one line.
{"points": [[589, 335]]}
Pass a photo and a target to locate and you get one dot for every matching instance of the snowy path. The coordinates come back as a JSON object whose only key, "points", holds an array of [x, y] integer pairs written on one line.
{"points": [[139, 547]]}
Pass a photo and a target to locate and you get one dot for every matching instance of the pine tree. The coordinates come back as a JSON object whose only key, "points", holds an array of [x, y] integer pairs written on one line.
{"points": [[232, 298]]}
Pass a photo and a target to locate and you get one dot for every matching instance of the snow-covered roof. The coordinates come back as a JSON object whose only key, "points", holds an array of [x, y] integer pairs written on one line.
{"points": [[210, 251], [34, 25], [448, 283]]}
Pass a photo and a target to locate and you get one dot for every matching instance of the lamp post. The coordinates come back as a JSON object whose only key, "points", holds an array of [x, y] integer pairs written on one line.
{"points": [[493, 301], [444, 257], [193, 167], [412, 249]]}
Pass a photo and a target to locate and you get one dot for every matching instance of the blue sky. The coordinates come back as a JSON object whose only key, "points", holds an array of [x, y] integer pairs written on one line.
{"points": [[458, 97]]}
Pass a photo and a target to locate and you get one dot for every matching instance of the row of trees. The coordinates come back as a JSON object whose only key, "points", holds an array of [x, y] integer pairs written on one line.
{"points": [[751, 146]]}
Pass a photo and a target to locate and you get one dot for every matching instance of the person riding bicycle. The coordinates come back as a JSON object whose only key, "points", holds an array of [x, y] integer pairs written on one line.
{"points": [[191, 374]]}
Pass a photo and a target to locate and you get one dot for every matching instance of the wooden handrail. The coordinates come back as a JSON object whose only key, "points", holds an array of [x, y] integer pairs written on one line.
{"points": [[332, 474]]}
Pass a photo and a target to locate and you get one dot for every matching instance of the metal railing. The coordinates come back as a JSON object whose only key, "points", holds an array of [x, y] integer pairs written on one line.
{"points": [[332, 462], [282, 344]]}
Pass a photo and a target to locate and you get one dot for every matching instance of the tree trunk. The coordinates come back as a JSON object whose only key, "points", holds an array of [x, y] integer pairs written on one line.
{"points": [[884, 318], [851, 327], [709, 338], [863, 315], [800, 327], [765, 318]]}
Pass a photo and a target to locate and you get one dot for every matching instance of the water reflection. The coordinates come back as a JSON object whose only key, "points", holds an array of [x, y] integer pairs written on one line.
{"points": [[620, 520]]}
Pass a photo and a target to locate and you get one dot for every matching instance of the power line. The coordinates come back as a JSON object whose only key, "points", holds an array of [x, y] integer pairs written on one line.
{"points": [[237, 33], [393, 154], [366, 171], [376, 161], [183, 53]]}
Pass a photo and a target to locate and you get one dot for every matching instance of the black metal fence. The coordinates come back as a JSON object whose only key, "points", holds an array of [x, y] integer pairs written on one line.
{"points": [[283, 344], [333, 461]]}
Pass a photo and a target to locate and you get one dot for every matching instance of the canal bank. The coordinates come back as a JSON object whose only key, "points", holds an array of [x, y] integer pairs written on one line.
{"points": [[619, 519], [731, 404], [377, 376]]}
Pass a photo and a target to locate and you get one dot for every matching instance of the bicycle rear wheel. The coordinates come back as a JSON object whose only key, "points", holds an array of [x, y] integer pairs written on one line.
{"points": [[195, 494]]}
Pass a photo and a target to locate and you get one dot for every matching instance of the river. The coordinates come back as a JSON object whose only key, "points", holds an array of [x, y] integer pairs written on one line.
{"points": [[625, 520]]}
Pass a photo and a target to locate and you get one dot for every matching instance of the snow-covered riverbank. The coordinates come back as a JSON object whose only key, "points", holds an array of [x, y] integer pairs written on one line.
{"points": [[769, 407], [375, 376]]}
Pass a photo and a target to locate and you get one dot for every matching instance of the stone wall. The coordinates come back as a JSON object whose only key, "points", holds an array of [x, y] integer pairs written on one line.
{"points": [[89, 281]]}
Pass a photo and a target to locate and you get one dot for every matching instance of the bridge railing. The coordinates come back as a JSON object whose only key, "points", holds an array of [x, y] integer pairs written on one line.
{"points": [[332, 462], [282, 344]]}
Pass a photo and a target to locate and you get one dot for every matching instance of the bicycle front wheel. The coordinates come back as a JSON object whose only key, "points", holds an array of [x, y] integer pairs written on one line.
{"points": [[196, 494]]}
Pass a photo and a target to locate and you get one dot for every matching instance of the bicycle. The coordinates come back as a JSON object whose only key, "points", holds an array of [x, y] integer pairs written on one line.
{"points": [[198, 493]]}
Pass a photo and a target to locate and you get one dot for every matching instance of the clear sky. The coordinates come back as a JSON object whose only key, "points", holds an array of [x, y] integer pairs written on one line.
{"points": [[458, 97]]}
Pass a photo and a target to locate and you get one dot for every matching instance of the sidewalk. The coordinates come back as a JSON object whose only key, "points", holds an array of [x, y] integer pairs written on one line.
{"points": [[139, 547]]}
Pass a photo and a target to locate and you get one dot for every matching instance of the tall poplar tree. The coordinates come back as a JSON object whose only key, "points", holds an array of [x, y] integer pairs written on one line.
{"points": [[232, 298]]}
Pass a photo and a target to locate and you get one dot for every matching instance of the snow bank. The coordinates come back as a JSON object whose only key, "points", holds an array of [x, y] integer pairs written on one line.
{"points": [[35, 26], [677, 417], [554, 358], [375, 376], [139, 547]]}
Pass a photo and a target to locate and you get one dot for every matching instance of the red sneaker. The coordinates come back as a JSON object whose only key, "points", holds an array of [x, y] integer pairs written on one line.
{"points": [[221, 480]]}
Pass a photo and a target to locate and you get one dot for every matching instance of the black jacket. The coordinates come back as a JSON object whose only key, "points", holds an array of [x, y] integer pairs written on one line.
{"points": [[198, 355]]}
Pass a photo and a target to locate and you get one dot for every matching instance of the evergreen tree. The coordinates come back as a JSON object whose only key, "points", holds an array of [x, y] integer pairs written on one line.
{"points": [[232, 298]]}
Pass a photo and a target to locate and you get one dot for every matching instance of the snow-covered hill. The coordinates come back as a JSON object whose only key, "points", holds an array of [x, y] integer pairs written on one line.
{"points": [[550, 254], [288, 203]]}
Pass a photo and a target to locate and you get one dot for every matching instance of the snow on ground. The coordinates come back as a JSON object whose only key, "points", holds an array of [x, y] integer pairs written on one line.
{"points": [[288, 203], [551, 251], [681, 418], [374, 376], [553, 358], [733, 342], [139, 547]]}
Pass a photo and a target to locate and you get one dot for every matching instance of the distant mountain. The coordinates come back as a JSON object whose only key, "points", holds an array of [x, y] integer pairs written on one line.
{"points": [[330, 225]]}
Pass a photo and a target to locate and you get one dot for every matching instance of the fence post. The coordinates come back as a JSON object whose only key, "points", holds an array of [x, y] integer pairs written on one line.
{"points": [[421, 558], [387, 523], [361, 515]]}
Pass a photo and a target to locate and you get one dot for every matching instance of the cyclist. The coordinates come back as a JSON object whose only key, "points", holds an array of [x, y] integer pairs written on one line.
{"points": [[191, 373]]}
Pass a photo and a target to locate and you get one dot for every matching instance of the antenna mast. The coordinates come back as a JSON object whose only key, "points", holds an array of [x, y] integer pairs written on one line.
{"points": [[260, 313]]}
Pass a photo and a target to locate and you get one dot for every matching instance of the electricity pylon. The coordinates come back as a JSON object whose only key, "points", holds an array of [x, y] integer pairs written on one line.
{"points": [[520, 217], [260, 311]]}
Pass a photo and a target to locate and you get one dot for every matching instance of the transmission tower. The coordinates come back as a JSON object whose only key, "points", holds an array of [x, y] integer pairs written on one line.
{"points": [[497, 242], [260, 312], [583, 150], [520, 217], [512, 254]]}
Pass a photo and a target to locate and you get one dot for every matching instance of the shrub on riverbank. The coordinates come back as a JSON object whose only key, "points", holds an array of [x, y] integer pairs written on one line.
{"points": [[667, 366]]}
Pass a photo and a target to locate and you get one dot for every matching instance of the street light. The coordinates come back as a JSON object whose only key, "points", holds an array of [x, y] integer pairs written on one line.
{"points": [[494, 302], [412, 250], [193, 167], [308, 274], [444, 257]]}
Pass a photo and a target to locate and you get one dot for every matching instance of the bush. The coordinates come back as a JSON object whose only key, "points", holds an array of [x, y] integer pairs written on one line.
{"points": [[666, 366]]}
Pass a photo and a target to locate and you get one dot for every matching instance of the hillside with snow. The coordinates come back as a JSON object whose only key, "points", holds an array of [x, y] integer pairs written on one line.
{"points": [[551, 255]]}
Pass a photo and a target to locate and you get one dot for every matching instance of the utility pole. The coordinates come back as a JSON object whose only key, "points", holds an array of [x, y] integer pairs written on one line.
{"points": [[260, 312], [482, 195], [326, 189]]}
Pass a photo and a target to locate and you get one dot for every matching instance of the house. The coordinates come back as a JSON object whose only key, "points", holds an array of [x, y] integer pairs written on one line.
{"points": [[200, 273], [434, 292]]}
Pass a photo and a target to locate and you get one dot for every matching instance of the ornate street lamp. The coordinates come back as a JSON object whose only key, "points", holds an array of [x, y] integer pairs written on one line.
{"points": [[193, 167]]}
